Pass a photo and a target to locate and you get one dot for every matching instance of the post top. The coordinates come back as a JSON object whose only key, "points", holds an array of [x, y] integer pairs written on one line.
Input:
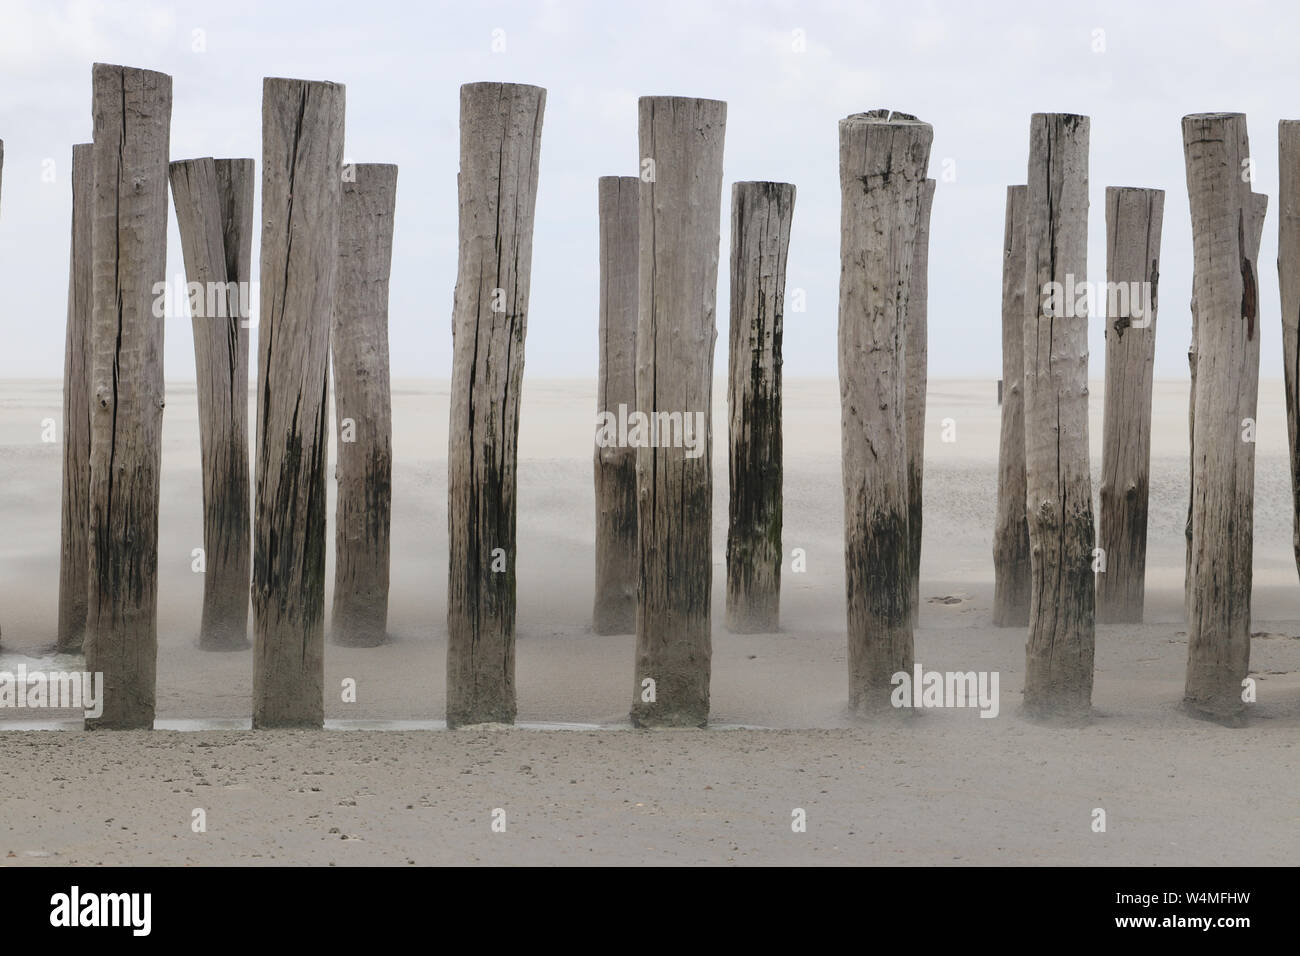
{"points": [[884, 116]]}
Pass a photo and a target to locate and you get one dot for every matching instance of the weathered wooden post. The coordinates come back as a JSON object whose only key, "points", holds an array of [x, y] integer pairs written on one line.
{"points": [[363, 407], [1011, 560], [1191, 591], [917, 357], [1059, 655], [614, 463], [132, 128], [883, 159], [761, 214], [214, 213], [681, 145], [500, 144], [1227, 218], [74, 562], [302, 173], [1133, 221], [1288, 272]]}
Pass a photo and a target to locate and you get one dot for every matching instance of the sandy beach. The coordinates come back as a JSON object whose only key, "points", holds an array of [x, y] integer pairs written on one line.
{"points": [[944, 787]]}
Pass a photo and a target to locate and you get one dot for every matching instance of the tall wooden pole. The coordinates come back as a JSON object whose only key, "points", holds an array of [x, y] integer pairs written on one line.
{"points": [[760, 240], [883, 159], [917, 358], [132, 126], [1288, 271], [1133, 221], [500, 144], [614, 464], [363, 407], [302, 172], [1227, 219], [681, 145], [1059, 655], [1011, 559], [214, 205], [74, 563]]}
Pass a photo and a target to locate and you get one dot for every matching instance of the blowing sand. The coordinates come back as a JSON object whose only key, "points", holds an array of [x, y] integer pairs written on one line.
{"points": [[948, 786]]}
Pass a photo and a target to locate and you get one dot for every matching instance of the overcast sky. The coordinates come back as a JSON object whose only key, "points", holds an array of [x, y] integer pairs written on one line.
{"points": [[976, 71]]}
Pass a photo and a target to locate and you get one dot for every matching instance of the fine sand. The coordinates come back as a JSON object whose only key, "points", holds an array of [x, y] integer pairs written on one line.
{"points": [[948, 786]]}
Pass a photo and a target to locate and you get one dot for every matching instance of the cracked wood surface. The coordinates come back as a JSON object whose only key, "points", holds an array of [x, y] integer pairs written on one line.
{"points": [[679, 225], [1288, 271], [500, 144], [1058, 506], [883, 161], [132, 125], [302, 172], [761, 213], [363, 395]]}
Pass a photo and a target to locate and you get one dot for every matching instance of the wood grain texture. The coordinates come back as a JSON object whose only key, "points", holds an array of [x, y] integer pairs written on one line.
{"points": [[679, 229], [74, 559], [1288, 272], [1059, 654], [363, 407], [500, 145], [917, 360], [203, 198], [761, 214], [883, 160], [132, 125], [1012, 566], [1133, 222], [614, 466], [1227, 221], [302, 172]]}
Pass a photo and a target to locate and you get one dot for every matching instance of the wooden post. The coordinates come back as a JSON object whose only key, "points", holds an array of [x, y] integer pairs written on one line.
{"points": [[363, 407], [760, 240], [1059, 655], [1227, 219], [132, 126], [681, 145], [614, 463], [1011, 560], [883, 159], [74, 563], [916, 355], [1288, 271], [1133, 221], [302, 172], [214, 206], [500, 144]]}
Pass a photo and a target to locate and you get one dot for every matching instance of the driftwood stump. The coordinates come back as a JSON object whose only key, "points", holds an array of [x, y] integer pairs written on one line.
{"points": [[1227, 221], [614, 463], [1011, 559], [74, 561], [132, 125], [500, 143], [363, 407], [1059, 655], [917, 357], [1133, 221], [681, 145], [302, 172], [214, 212], [760, 240], [883, 159]]}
